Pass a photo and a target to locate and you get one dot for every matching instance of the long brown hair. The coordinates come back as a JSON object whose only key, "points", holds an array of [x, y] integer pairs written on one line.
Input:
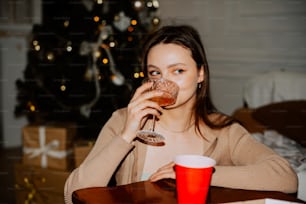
{"points": [[187, 37]]}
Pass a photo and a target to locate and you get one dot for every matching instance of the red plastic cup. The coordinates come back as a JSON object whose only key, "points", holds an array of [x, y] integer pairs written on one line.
{"points": [[193, 175]]}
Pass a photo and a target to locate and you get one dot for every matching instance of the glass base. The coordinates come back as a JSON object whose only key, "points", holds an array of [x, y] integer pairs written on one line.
{"points": [[150, 137]]}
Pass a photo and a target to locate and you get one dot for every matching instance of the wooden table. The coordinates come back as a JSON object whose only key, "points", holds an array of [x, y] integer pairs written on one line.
{"points": [[164, 192]]}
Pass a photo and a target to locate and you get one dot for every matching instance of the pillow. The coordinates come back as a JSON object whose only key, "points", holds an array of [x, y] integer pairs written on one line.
{"points": [[288, 118]]}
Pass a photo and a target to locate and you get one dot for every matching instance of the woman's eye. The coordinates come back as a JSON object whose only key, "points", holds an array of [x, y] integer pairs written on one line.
{"points": [[154, 73], [178, 71]]}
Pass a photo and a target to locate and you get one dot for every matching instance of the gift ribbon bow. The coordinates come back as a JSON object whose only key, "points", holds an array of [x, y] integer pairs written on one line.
{"points": [[46, 149]]}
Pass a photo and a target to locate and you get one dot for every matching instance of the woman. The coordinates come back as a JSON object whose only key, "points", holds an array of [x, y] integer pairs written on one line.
{"points": [[191, 126]]}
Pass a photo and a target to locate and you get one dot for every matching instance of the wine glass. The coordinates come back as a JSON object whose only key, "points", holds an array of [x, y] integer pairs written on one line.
{"points": [[170, 91]]}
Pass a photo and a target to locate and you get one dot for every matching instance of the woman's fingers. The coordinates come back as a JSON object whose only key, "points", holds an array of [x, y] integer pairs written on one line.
{"points": [[139, 108], [141, 101], [169, 165], [141, 105], [142, 93], [164, 172]]}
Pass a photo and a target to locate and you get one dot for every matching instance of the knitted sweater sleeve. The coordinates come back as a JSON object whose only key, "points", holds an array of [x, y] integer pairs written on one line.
{"points": [[252, 165], [102, 161]]}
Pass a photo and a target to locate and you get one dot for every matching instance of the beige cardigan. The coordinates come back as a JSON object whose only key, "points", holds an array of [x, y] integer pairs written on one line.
{"points": [[242, 162]]}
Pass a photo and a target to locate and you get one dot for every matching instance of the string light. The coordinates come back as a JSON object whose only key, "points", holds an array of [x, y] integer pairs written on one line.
{"points": [[130, 29], [96, 18], [50, 56], [149, 4], [105, 61], [155, 3], [112, 44], [97, 54], [69, 48], [35, 42], [63, 87], [133, 22], [138, 4], [100, 77], [155, 21], [31, 106], [136, 75], [113, 77], [66, 23], [37, 47], [99, 1]]}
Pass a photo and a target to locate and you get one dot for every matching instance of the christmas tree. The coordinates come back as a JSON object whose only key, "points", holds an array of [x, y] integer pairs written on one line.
{"points": [[83, 60]]}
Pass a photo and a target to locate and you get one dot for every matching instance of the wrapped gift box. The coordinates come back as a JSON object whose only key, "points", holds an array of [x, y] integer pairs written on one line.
{"points": [[39, 185], [81, 150], [49, 146]]}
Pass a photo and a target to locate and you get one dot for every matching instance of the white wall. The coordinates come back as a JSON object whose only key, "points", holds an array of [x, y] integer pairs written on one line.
{"points": [[243, 38], [13, 62], [16, 20]]}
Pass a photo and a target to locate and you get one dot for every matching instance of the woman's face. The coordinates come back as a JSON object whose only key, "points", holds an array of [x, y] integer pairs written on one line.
{"points": [[174, 62]]}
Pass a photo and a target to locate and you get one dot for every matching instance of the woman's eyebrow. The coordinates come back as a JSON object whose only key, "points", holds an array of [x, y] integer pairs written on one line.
{"points": [[152, 66], [176, 64], [169, 66]]}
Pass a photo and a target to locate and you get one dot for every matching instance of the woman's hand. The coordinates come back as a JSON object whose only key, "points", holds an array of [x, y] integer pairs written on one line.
{"points": [[164, 172], [139, 107]]}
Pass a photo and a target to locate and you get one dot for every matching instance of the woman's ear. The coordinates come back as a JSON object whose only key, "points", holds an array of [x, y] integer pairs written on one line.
{"points": [[201, 74]]}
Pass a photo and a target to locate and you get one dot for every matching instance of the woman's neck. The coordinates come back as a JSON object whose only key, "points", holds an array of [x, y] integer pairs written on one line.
{"points": [[176, 121]]}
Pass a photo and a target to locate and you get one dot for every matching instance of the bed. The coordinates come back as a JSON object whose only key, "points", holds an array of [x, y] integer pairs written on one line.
{"points": [[277, 117]]}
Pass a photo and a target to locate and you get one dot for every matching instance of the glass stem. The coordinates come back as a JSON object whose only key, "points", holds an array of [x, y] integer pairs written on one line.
{"points": [[153, 123]]}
